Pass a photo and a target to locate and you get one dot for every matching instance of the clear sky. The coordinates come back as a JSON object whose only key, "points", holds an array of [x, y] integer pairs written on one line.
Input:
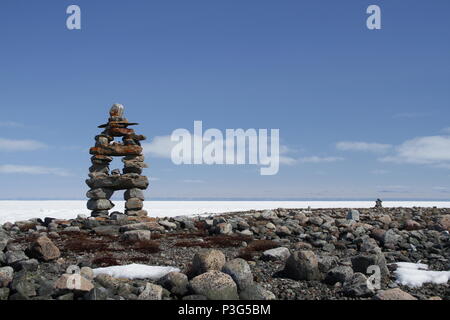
{"points": [[362, 113]]}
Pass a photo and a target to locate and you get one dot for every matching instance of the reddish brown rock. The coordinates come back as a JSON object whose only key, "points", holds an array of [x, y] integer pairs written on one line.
{"points": [[44, 249], [120, 132], [411, 225], [116, 150], [393, 294]]}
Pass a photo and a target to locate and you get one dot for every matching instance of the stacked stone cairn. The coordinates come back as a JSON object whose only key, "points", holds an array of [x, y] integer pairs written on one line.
{"points": [[102, 182]]}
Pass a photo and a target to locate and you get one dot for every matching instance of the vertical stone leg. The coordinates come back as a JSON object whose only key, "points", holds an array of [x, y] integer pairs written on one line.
{"points": [[134, 202], [99, 202]]}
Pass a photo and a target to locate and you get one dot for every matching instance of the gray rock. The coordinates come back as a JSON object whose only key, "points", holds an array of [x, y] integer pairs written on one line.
{"points": [[6, 276], [100, 193], [134, 204], [256, 292], [23, 283], [134, 193], [318, 221], [340, 274], [45, 287], [107, 230], [327, 262], [358, 287], [67, 296], [4, 294], [72, 229], [280, 253], [268, 215], [138, 235], [224, 228], [240, 271], [100, 204], [215, 285], [391, 238], [207, 260], [152, 226], [353, 215], [15, 256], [167, 224], [151, 292], [97, 293], [302, 265], [246, 232], [3, 242], [175, 282], [29, 265], [362, 262], [119, 182]]}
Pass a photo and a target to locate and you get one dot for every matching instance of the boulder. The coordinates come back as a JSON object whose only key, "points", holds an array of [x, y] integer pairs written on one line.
{"points": [[215, 285], [175, 282], [134, 193], [151, 292], [6, 276], [100, 193], [391, 239], [119, 182], [134, 204], [302, 265], [4, 294], [268, 215], [137, 235], [167, 224], [15, 256], [340, 274], [207, 260], [44, 249], [411, 225], [327, 262], [23, 284], [100, 204], [281, 254], [224, 228], [362, 262], [151, 226], [240, 271], [87, 273], [393, 294], [256, 292], [358, 287], [116, 150], [73, 282]]}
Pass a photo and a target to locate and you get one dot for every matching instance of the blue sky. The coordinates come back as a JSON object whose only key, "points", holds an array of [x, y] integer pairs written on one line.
{"points": [[362, 114]]}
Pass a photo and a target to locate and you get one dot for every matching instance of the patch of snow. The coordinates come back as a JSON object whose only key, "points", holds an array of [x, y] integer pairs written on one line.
{"points": [[136, 271], [416, 274]]}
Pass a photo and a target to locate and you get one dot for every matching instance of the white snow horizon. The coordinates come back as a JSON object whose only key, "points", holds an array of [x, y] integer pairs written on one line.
{"points": [[12, 210]]}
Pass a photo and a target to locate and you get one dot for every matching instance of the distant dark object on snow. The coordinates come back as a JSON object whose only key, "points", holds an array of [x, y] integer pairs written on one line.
{"points": [[378, 204]]}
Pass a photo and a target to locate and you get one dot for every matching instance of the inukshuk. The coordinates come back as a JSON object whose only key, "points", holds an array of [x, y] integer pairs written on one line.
{"points": [[102, 182]]}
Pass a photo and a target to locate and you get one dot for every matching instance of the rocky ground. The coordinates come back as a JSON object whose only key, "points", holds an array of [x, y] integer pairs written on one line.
{"points": [[277, 254]]}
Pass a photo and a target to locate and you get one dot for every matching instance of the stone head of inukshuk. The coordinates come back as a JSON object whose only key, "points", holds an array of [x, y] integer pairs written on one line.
{"points": [[102, 182]]}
